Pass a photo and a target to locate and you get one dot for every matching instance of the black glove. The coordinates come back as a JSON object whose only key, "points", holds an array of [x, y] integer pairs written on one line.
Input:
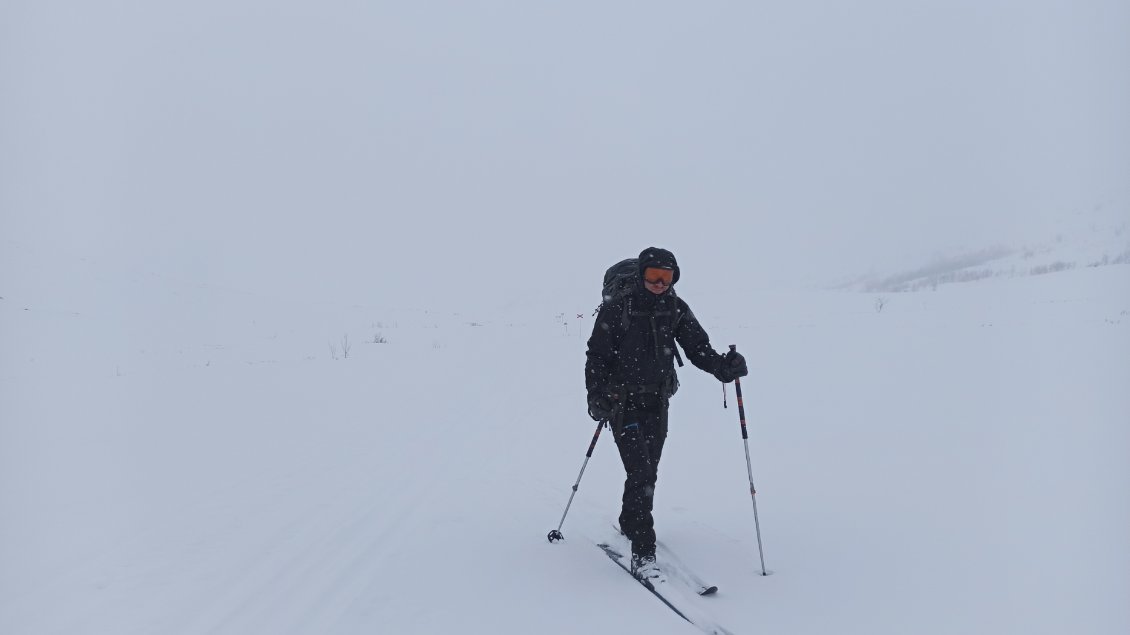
{"points": [[730, 367], [600, 406]]}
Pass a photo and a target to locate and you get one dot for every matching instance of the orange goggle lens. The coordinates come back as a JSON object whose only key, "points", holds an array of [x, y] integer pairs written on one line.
{"points": [[654, 275]]}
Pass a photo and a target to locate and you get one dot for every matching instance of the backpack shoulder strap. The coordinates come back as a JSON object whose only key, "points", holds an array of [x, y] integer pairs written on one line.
{"points": [[628, 312]]}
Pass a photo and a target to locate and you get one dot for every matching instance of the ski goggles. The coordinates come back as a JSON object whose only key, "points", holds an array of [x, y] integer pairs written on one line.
{"points": [[655, 275]]}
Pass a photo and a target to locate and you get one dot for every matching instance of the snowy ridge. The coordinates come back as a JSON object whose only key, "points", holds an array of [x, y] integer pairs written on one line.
{"points": [[1102, 240]]}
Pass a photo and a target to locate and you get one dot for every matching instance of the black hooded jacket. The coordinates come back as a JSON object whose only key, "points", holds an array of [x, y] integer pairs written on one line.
{"points": [[638, 357]]}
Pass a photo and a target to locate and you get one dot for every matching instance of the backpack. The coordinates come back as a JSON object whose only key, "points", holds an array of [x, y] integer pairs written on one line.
{"points": [[620, 280]]}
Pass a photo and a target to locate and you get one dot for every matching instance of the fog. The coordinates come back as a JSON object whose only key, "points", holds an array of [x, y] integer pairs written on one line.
{"points": [[468, 153]]}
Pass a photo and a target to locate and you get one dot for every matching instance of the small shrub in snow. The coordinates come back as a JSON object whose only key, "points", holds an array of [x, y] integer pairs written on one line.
{"points": [[1052, 268]]}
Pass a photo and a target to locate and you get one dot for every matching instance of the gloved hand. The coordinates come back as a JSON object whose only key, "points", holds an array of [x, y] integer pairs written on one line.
{"points": [[601, 407], [730, 367]]}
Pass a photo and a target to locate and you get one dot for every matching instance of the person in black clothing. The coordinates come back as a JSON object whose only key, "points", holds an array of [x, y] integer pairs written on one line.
{"points": [[630, 376]]}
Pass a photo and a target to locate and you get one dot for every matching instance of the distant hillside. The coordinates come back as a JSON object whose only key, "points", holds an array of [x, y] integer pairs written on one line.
{"points": [[1097, 239]]}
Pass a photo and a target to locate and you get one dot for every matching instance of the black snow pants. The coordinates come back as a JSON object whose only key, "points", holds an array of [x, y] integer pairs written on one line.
{"points": [[639, 437]]}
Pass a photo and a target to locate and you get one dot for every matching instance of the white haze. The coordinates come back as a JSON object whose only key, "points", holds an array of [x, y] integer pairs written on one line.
{"points": [[458, 154]]}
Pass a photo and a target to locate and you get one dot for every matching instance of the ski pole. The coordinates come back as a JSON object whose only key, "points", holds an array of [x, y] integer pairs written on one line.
{"points": [[555, 534], [749, 466]]}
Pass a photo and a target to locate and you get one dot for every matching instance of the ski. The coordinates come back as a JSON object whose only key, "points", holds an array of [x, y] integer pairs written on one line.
{"points": [[675, 567], [618, 558], [679, 569]]}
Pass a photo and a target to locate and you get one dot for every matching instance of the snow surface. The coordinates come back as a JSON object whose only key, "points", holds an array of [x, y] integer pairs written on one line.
{"points": [[953, 463]]}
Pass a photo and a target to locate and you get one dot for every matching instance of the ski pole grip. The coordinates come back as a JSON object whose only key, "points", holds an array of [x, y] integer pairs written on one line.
{"points": [[595, 437], [738, 393]]}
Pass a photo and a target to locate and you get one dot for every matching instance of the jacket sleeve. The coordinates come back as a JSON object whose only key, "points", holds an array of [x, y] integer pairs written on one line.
{"points": [[604, 347], [695, 342]]}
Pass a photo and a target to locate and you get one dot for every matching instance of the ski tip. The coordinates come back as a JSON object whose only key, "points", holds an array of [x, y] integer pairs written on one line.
{"points": [[711, 590]]}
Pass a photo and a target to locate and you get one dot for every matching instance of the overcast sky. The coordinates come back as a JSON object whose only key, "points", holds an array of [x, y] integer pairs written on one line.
{"points": [[425, 153]]}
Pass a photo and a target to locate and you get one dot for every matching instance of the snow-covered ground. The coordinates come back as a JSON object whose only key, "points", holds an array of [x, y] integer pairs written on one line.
{"points": [[194, 460]]}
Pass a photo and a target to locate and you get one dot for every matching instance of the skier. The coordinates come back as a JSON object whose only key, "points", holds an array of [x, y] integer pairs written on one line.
{"points": [[630, 377]]}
